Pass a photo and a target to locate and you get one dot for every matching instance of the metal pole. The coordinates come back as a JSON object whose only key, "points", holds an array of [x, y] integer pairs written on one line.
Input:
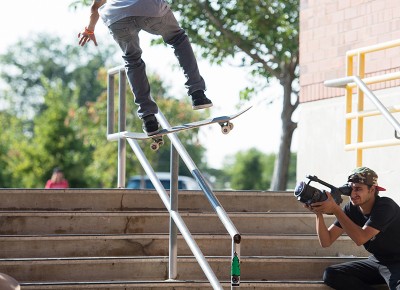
{"points": [[339, 83], [175, 216], [110, 104], [122, 127], [234, 233], [342, 82], [173, 230], [377, 103], [226, 221]]}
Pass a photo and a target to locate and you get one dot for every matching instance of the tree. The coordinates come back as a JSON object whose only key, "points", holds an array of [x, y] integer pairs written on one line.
{"points": [[67, 128], [28, 61], [249, 170], [12, 138], [264, 34], [53, 143], [252, 169]]}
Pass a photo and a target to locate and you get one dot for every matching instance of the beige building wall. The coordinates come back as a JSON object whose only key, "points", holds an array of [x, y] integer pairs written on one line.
{"points": [[328, 29]]}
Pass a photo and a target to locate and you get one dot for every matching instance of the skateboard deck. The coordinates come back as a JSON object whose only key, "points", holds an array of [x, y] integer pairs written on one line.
{"points": [[223, 121]]}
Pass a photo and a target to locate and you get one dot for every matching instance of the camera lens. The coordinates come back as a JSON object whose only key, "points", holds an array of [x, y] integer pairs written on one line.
{"points": [[307, 194]]}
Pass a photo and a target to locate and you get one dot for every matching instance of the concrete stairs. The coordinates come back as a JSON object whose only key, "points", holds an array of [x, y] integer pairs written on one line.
{"points": [[118, 239]]}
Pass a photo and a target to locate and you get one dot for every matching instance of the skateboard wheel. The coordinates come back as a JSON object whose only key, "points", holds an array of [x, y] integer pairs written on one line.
{"points": [[161, 142], [154, 146], [225, 129], [231, 126]]}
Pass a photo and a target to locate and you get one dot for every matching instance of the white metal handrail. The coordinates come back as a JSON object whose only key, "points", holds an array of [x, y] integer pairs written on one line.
{"points": [[171, 202], [342, 82], [385, 112]]}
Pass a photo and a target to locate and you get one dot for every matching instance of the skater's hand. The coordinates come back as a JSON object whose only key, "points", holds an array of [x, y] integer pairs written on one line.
{"points": [[85, 36]]}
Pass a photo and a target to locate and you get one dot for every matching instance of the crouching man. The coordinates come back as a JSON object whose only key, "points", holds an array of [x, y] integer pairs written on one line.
{"points": [[369, 220]]}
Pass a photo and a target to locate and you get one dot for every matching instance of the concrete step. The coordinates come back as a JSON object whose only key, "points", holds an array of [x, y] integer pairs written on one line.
{"points": [[53, 246], [118, 239], [98, 269], [44, 222], [130, 199], [176, 285], [180, 285]]}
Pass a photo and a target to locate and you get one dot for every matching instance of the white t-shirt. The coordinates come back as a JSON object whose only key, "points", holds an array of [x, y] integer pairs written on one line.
{"points": [[114, 10]]}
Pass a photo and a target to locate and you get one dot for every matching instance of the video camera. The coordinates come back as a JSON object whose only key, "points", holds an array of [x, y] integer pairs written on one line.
{"points": [[308, 194]]}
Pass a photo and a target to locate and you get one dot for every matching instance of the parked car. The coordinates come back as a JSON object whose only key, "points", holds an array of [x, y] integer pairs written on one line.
{"points": [[144, 182]]}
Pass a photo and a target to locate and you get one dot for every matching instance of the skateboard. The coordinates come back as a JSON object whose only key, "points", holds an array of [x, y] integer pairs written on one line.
{"points": [[223, 121]]}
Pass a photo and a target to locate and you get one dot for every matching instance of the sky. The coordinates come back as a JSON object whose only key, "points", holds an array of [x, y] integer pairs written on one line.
{"points": [[258, 128]]}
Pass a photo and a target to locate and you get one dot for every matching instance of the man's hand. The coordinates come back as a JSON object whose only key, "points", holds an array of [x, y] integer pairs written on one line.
{"points": [[328, 206], [85, 36]]}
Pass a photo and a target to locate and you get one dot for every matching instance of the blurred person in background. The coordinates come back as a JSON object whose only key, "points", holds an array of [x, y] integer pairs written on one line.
{"points": [[57, 180]]}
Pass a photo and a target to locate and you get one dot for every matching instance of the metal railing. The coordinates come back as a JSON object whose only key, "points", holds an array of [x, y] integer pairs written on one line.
{"points": [[171, 201], [360, 83]]}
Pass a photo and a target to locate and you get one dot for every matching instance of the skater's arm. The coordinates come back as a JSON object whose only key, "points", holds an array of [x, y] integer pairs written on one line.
{"points": [[88, 33]]}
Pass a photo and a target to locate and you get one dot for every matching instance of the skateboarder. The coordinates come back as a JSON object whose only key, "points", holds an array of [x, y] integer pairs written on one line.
{"points": [[125, 19]]}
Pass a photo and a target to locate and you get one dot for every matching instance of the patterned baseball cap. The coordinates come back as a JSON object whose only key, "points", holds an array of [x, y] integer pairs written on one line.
{"points": [[365, 176]]}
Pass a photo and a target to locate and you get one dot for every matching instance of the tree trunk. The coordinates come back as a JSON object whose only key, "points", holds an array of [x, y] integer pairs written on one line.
{"points": [[281, 167]]}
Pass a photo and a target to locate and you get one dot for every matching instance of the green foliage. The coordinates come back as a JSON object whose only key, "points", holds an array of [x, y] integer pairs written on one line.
{"points": [[66, 94], [52, 144], [28, 61], [12, 138], [252, 170], [79, 3], [264, 34]]}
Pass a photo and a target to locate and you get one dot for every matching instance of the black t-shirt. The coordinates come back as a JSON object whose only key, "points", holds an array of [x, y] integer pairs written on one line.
{"points": [[385, 217]]}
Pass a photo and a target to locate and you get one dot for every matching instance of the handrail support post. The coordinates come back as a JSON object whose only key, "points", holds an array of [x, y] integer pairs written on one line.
{"points": [[173, 230]]}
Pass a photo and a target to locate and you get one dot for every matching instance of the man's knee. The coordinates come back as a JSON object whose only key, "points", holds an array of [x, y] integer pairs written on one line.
{"points": [[330, 276], [177, 38], [133, 58]]}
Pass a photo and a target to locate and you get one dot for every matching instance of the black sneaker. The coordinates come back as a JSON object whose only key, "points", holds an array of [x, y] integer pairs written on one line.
{"points": [[200, 101], [150, 125]]}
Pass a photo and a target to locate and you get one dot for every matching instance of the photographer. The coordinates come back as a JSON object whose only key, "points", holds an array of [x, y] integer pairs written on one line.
{"points": [[369, 220]]}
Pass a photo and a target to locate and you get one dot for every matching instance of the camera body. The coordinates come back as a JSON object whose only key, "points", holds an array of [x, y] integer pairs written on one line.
{"points": [[308, 194]]}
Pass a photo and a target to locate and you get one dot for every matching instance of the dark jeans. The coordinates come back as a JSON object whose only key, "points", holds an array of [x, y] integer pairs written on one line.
{"points": [[362, 274], [125, 33]]}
